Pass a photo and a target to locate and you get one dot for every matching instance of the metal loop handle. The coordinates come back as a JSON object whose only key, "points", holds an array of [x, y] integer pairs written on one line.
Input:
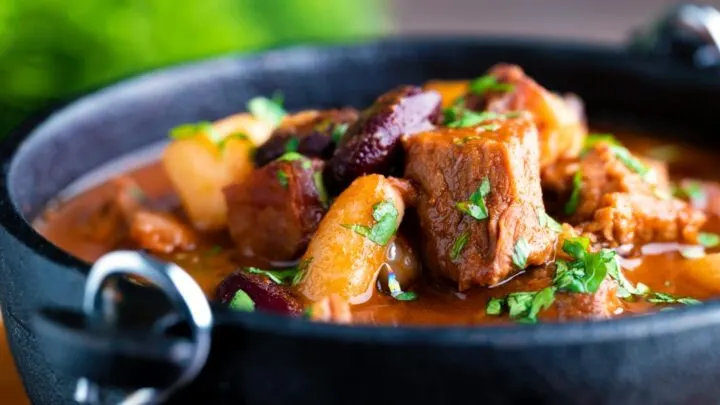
{"points": [[183, 293]]}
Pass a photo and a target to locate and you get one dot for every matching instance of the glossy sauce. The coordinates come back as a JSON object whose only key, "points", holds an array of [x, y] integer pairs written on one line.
{"points": [[84, 227]]}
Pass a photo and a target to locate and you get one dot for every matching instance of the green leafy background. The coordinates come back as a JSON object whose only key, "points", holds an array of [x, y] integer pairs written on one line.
{"points": [[51, 50]]}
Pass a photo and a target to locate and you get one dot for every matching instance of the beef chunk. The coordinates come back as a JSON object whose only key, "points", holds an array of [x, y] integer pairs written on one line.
{"points": [[266, 294], [620, 204], [274, 212], [561, 125], [149, 226], [448, 165], [312, 132], [371, 145], [602, 304]]}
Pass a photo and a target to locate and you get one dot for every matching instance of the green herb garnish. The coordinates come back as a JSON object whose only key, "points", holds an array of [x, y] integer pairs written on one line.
{"points": [[495, 306], [301, 270], [520, 253], [665, 298], [594, 139], [339, 132], [475, 206], [470, 118], [630, 161], [282, 178], [546, 221], [268, 110], [406, 296], [488, 83], [293, 156], [708, 240], [587, 270], [572, 204], [241, 302], [386, 223], [320, 187], [459, 245], [284, 276], [525, 306], [292, 144]]}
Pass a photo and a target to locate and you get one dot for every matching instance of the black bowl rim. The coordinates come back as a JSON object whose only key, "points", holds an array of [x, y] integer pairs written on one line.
{"points": [[501, 337]]}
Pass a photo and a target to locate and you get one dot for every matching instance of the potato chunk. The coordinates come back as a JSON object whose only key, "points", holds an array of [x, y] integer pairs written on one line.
{"points": [[199, 171], [341, 260], [201, 164]]}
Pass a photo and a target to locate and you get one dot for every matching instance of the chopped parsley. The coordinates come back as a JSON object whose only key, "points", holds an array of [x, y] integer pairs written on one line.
{"points": [[475, 206], [338, 132], [241, 302], [320, 187], [708, 240], [467, 118], [283, 276], [523, 307], [520, 253], [282, 178], [572, 204], [546, 221], [665, 298], [586, 271], [396, 290], [625, 288], [594, 139], [268, 110], [488, 83], [301, 270], [630, 161], [386, 223], [406, 296], [292, 144], [186, 131], [293, 156], [459, 245], [495, 306]]}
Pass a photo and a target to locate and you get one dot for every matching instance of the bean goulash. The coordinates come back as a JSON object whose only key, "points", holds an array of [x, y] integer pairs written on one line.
{"points": [[471, 202]]}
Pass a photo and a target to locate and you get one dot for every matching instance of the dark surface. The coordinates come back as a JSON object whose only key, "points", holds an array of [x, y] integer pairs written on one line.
{"points": [[261, 359]]}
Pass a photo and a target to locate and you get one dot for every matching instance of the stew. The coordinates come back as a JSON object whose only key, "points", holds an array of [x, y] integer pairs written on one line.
{"points": [[469, 202]]}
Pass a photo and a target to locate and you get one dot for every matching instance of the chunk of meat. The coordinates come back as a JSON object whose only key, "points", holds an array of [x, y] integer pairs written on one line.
{"points": [[602, 304], [267, 295], [561, 125], [448, 165], [151, 229], [311, 130], [372, 143], [331, 309], [274, 212], [619, 205], [161, 233]]}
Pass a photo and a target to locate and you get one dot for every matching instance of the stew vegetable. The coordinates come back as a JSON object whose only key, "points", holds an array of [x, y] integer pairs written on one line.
{"points": [[469, 202]]}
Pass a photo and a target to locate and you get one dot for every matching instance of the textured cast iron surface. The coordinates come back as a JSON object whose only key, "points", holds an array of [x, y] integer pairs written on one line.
{"points": [[256, 359]]}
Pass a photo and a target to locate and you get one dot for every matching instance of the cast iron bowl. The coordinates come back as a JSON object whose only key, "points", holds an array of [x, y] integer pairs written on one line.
{"points": [[668, 358]]}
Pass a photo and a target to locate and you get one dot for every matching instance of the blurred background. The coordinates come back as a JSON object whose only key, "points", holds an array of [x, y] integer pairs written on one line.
{"points": [[52, 50]]}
